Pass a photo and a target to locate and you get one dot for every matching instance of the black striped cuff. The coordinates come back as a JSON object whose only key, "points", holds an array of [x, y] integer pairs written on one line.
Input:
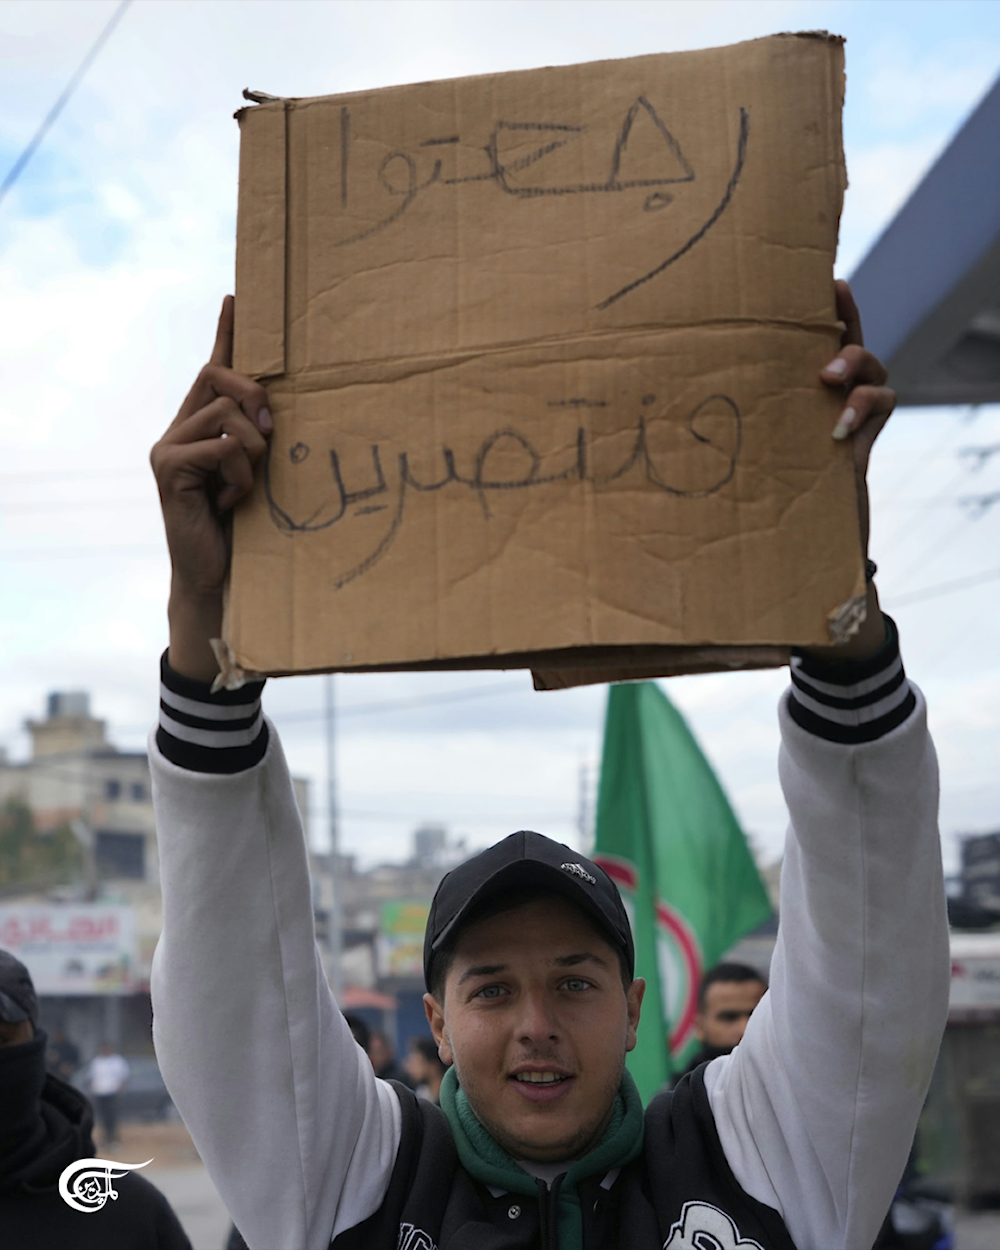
{"points": [[851, 700], [210, 733]]}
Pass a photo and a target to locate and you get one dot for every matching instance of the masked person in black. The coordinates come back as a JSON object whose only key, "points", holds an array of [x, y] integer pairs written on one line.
{"points": [[45, 1125]]}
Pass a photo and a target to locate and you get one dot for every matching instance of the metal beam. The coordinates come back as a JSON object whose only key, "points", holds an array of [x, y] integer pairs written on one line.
{"points": [[929, 289]]}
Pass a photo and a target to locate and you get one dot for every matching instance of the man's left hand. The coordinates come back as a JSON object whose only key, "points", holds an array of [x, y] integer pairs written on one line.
{"points": [[868, 404]]}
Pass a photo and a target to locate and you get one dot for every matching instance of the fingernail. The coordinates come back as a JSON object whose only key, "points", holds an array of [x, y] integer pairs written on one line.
{"points": [[264, 422], [845, 423], [837, 366]]}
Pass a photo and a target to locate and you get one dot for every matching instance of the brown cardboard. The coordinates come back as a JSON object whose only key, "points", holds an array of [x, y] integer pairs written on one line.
{"points": [[542, 353]]}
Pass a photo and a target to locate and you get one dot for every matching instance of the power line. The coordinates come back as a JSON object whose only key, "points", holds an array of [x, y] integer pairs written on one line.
{"points": [[980, 455], [79, 552], [979, 505], [906, 528], [76, 505], [18, 167], [349, 709], [945, 588], [927, 557], [49, 475], [926, 458], [399, 705]]}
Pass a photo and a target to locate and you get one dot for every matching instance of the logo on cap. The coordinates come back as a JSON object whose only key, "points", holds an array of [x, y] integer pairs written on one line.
{"points": [[578, 870]]}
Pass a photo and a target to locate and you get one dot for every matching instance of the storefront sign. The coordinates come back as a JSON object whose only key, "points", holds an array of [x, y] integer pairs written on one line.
{"points": [[80, 949], [401, 938]]}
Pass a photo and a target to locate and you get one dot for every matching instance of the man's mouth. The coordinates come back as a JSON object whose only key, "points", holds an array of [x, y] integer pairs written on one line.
{"points": [[542, 1085]]}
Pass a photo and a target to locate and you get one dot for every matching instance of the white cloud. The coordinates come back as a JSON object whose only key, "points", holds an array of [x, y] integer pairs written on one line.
{"points": [[905, 85]]}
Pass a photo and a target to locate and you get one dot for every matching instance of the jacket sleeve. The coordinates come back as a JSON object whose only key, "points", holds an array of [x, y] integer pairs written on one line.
{"points": [[282, 1105], [817, 1107]]}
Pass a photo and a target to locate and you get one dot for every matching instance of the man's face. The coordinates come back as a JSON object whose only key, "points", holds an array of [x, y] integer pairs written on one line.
{"points": [[378, 1051], [728, 1006], [15, 1034], [537, 1023]]}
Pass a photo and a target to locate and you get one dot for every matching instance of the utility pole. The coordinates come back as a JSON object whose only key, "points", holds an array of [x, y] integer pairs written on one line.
{"points": [[583, 808], [334, 923]]}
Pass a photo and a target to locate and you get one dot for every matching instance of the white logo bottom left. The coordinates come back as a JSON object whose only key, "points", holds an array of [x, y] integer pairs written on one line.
{"points": [[86, 1184]]}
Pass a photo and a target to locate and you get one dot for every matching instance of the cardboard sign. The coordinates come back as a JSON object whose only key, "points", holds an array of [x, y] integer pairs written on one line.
{"points": [[542, 353]]}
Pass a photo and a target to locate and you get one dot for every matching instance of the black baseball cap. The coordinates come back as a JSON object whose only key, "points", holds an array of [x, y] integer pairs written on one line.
{"points": [[18, 1000], [527, 859]]}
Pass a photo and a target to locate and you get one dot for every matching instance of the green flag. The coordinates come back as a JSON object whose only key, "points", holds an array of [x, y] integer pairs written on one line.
{"points": [[669, 839]]}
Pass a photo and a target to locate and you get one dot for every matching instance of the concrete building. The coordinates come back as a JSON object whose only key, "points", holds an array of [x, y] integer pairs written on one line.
{"points": [[89, 942], [76, 776]]}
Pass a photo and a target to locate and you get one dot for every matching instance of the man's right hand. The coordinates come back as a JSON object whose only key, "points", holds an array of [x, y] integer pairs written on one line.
{"points": [[203, 465]]}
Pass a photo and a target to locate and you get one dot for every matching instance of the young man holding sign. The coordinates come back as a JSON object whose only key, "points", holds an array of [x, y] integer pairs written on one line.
{"points": [[796, 1139]]}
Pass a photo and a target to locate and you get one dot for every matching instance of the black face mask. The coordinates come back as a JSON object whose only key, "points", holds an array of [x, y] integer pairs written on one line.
{"points": [[22, 1075], [708, 1051]]}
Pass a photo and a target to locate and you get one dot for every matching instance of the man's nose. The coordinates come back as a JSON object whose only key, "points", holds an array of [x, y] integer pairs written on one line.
{"points": [[537, 1022]]}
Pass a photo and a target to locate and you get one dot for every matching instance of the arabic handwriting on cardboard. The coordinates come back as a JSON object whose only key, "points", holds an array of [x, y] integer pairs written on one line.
{"points": [[404, 175], [390, 487]]}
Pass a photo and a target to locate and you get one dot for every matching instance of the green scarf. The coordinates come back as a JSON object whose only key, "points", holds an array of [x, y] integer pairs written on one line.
{"points": [[489, 1163]]}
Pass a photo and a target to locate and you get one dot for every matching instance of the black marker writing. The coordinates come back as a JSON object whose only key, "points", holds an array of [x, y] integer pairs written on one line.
{"points": [[345, 152], [399, 176], [485, 476], [741, 154]]}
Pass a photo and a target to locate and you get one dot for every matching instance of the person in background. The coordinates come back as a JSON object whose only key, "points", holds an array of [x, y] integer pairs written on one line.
{"points": [[727, 996], [63, 1057], [359, 1031], [45, 1125], [107, 1076], [425, 1068], [384, 1062]]}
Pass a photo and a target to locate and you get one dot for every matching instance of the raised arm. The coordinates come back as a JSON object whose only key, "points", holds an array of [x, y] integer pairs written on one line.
{"points": [[817, 1106], [281, 1103]]}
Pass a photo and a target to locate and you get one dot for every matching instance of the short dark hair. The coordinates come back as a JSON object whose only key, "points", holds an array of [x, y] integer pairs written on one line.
{"points": [[727, 972], [496, 906], [426, 1047], [359, 1030]]}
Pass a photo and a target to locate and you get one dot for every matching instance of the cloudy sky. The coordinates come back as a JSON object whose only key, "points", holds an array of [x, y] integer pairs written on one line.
{"points": [[117, 243]]}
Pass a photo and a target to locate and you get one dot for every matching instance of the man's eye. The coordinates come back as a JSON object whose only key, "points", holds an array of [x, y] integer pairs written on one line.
{"points": [[489, 991], [576, 984]]}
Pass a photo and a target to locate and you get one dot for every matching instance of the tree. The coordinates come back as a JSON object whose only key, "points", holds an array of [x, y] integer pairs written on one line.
{"points": [[28, 857]]}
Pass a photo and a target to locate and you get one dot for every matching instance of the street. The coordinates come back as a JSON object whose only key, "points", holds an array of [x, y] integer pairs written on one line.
{"points": [[177, 1171], [199, 1208]]}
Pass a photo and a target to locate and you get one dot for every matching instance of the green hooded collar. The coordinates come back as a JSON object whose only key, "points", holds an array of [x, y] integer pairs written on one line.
{"points": [[483, 1158]]}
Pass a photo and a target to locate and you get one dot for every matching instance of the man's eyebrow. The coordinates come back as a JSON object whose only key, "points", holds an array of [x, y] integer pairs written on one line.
{"points": [[570, 961], [481, 970], [564, 961]]}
